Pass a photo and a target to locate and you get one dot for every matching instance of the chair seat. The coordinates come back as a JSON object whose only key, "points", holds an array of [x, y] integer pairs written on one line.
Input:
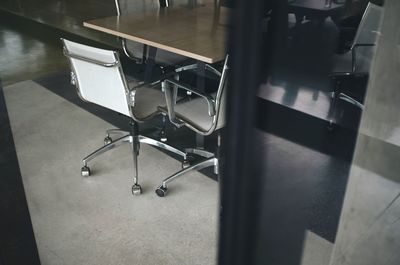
{"points": [[195, 112], [147, 101]]}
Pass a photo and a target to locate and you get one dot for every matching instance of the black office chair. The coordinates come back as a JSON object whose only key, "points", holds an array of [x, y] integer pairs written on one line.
{"points": [[350, 80], [349, 21]]}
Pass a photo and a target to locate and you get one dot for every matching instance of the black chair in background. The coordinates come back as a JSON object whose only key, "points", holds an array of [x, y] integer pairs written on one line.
{"points": [[350, 20], [350, 79]]}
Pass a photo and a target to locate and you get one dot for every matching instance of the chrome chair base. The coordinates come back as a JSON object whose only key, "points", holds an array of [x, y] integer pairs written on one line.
{"points": [[134, 140]]}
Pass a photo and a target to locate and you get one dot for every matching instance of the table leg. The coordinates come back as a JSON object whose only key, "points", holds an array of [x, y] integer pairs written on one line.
{"points": [[150, 64], [201, 86], [199, 141], [299, 18], [201, 79]]}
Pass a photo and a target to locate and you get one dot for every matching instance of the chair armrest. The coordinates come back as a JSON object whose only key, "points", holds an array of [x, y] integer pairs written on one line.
{"points": [[210, 100], [186, 68], [351, 100], [128, 53], [194, 67], [213, 70]]}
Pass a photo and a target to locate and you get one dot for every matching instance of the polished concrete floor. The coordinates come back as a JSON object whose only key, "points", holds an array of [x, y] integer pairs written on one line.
{"points": [[42, 55], [96, 220], [17, 242], [83, 208], [27, 55]]}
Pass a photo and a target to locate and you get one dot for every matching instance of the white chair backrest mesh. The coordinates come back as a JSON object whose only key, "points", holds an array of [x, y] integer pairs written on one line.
{"points": [[104, 86]]}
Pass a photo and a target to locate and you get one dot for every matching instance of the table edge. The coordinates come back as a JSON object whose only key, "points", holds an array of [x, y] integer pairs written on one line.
{"points": [[87, 24]]}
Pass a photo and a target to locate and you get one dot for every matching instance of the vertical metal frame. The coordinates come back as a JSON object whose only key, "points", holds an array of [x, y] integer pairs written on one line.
{"points": [[124, 45], [239, 183]]}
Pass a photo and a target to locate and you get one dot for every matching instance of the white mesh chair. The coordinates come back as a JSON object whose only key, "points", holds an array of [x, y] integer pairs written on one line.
{"points": [[98, 77], [204, 114], [354, 66]]}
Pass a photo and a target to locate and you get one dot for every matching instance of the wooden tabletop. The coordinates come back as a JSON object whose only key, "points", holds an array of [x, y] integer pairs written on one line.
{"points": [[198, 33]]}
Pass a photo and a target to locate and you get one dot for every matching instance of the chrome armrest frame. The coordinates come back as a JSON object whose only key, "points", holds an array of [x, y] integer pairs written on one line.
{"points": [[129, 55], [170, 98], [213, 70], [351, 100], [338, 90], [186, 68], [194, 67], [210, 100], [170, 92]]}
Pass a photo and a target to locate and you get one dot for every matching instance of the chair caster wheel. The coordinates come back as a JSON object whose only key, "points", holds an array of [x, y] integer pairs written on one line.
{"points": [[161, 191], [136, 189], [331, 126], [85, 171], [163, 136], [187, 161], [185, 164], [107, 140]]}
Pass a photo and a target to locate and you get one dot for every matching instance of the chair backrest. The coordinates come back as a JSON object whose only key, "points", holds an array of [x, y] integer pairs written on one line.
{"points": [[367, 33], [220, 99], [98, 76], [135, 50], [368, 30]]}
